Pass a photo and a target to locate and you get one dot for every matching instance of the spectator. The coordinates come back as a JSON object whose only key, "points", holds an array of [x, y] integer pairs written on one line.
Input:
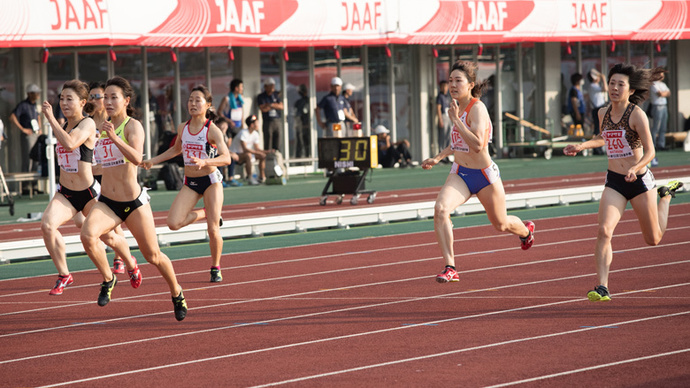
{"points": [[392, 154], [271, 107], [247, 145], [576, 100], [231, 106], [229, 131], [302, 127], [25, 117], [444, 124], [350, 117], [659, 94], [333, 106]]}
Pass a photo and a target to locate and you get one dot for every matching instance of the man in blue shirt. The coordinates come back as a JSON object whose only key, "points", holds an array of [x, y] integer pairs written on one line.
{"points": [[231, 106], [25, 117], [576, 100], [333, 105], [271, 106], [444, 123]]}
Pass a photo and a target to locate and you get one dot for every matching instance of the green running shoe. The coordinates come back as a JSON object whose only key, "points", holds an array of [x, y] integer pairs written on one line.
{"points": [[106, 289], [599, 294], [669, 189]]}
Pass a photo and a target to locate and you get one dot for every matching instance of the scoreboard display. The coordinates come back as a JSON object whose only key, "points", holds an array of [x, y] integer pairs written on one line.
{"points": [[346, 152]]}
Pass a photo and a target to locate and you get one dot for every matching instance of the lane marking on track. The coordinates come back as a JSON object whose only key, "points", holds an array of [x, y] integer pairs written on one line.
{"points": [[326, 312], [534, 262], [594, 367], [371, 366]]}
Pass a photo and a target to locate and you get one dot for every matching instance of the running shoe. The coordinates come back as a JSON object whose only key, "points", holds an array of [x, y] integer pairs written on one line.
{"points": [[118, 266], [216, 276], [135, 277], [61, 283], [669, 189], [180, 305], [529, 240], [106, 289], [599, 294], [448, 275]]}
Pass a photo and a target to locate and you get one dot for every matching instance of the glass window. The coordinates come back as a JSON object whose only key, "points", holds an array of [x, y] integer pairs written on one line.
{"points": [[298, 111], [192, 63], [8, 100], [93, 66], [378, 87], [221, 74], [639, 54], [352, 72], [616, 54], [161, 77], [594, 85], [529, 86], [486, 63], [403, 70], [60, 69]]}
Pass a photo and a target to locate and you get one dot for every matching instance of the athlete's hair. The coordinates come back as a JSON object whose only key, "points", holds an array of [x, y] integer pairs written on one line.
{"points": [[210, 112], [81, 89], [235, 83], [97, 85], [640, 80], [126, 88], [470, 70]]}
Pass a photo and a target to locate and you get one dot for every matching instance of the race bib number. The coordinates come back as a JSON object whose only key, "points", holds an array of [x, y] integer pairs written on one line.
{"points": [[68, 161], [616, 144], [191, 150], [109, 154], [457, 143]]}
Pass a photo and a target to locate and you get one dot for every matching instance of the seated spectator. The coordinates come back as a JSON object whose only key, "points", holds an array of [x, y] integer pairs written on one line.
{"points": [[392, 154], [247, 145], [228, 129]]}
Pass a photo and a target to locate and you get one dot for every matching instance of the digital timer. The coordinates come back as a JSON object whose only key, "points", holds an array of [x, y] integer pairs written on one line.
{"points": [[346, 152]]}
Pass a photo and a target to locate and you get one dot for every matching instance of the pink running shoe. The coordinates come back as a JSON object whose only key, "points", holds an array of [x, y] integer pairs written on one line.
{"points": [[118, 266], [448, 275], [529, 240], [135, 277], [62, 282]]}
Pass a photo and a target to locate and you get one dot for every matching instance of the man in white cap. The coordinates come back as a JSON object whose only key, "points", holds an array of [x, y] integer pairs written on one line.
{"points": [[271, 106], [350, 117], [392, 154], [333, 107], [25, 117]]}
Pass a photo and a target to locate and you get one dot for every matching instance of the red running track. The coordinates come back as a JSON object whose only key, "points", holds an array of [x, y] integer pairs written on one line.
{"points": [[369, 313], [31, 230]]}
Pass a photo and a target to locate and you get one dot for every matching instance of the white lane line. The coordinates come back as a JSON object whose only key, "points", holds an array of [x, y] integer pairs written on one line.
{"points": [[595, 367], [231, 355], [456, 351]]}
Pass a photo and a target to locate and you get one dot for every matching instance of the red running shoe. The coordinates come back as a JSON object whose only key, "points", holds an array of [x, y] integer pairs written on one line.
{"points": [[448, 275], [62, 282], [529, 240], [135, 277], [118, 266]]}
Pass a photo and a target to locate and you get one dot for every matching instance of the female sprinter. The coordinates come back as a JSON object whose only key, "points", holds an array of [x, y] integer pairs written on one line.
{"points": [[77, 190], [99, 116], [473, 171], [629, 146], [199, 139], [122, 199]]}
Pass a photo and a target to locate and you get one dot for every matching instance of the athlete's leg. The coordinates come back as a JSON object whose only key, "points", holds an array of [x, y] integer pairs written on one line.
{"points": [[653, 218], [493, 198], [181, 212], [453, 194], [611, 208], [213, 202], [58, 212], [140, 224], [100, 220]]}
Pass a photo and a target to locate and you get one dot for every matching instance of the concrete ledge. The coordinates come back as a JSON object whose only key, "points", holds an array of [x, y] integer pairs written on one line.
{"points": [[345, 218]]}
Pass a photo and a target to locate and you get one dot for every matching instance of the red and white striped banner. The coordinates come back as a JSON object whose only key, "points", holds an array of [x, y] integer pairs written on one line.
{"points": [[291, 23]]}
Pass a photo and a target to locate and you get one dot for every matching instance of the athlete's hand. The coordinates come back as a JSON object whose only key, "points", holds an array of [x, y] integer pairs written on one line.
{"points": [[47, 110], [427, 164], [146, 164], [200, 163], [572, 149], [454, 110], [109, 129], [631, 176]]}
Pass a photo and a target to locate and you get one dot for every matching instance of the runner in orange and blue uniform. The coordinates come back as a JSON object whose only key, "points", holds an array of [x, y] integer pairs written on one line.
{"points": [[122, 199], [77, 190], [473, 172], [630, 148], [203, 148]]}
